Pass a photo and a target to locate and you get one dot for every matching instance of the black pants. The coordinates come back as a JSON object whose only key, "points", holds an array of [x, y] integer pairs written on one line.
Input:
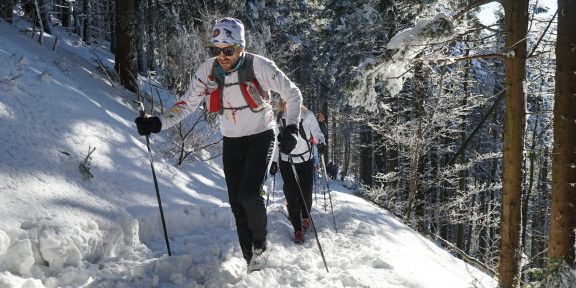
{"points": [[297, 207], [245, 162]]}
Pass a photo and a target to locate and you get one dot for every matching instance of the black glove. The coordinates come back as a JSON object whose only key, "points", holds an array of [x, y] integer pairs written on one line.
{"points": [[148, 125], [273, 168], [322, 149], [289, 139]]}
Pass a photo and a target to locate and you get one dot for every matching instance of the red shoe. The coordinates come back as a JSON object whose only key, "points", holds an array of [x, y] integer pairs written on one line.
{"points": [[298, 237], [306, 224]]}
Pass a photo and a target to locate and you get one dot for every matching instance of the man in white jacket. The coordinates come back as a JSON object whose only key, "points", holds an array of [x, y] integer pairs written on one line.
{"points": [[301, 158], [237, 83]]}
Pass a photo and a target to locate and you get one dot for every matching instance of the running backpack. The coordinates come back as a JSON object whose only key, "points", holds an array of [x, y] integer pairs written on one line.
{"points": [[302, 133], [252, 92]]}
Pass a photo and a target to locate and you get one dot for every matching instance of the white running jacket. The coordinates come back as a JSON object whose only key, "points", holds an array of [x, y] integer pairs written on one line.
{"points": [[304, 147], [238, 123]]}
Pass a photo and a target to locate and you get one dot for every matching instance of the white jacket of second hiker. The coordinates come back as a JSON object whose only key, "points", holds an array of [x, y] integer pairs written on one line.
{"points": [[303, 147], [244, 122]]}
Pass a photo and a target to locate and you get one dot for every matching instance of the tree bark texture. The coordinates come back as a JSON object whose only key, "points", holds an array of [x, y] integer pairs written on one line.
{"points": [[416, 153], [562, 219], [516, 23], [87, 31], [366, 155], [66, 10], [126, 64], [538, 223], [346, 156]]}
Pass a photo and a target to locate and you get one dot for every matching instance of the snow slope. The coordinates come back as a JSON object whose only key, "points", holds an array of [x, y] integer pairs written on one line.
{"points": [[61, 228]]}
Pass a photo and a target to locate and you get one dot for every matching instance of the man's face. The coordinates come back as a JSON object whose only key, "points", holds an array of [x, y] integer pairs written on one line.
{"points": [[321, 117], [226, 62]]}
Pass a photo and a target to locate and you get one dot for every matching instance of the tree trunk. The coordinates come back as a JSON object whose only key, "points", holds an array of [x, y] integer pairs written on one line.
{"points": [[38, 21], [366, 155], [494, 229], [87, 31], [141, 36], [393, 157], [416, 150], [67, 10], [331, 150], [460, 239], [346, 159], [379, 157], [532, 158], [151, 31], [112, 9], [516, 24], [125, 49], [44, 15], [7, 10], [483, 230], [562, 218], [538, 224], [495, 179]]}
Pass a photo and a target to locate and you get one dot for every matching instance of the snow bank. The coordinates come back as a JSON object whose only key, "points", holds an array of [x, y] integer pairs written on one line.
{"points": [[47, 246]]}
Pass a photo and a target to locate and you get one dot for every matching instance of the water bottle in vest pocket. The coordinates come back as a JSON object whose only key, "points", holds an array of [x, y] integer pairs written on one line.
{"points": [[254, 95]]}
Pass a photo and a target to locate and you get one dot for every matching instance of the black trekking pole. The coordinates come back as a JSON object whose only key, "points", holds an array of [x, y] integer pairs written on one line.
{"points": [[267, 197], [274, 187], [326, 188], [307, 211], [329, 192], [142, 114], [315, 178], [271, 151]]}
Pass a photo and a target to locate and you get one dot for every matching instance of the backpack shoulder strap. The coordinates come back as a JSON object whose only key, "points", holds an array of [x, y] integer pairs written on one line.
{"points": [[302, 132], [246, 72], [214, 73], [279, 118], [300, 126]]}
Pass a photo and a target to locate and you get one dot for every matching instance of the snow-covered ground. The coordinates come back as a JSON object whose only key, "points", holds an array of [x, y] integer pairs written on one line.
{"points": [[61, 228]]}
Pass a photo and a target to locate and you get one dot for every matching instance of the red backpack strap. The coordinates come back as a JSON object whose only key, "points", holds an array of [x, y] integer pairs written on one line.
{"points": [[215, 100]]}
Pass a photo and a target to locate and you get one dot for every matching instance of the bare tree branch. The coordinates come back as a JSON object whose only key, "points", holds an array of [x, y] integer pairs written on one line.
{"points": [[543, 33], [473, 5]]}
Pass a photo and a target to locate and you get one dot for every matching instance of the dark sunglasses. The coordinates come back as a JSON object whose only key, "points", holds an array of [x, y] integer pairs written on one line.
{"points": [[228, 51]]}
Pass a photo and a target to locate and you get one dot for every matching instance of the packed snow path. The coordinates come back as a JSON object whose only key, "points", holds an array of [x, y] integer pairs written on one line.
{"points": [[371, 249], [61, 229]]}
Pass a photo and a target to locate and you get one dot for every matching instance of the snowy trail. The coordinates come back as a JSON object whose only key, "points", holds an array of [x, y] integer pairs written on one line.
{"points": [[61, 229], [212, 258], [368, 251]]}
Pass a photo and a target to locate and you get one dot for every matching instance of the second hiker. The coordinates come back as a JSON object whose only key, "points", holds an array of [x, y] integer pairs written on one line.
{"points": [[301, 157]]}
